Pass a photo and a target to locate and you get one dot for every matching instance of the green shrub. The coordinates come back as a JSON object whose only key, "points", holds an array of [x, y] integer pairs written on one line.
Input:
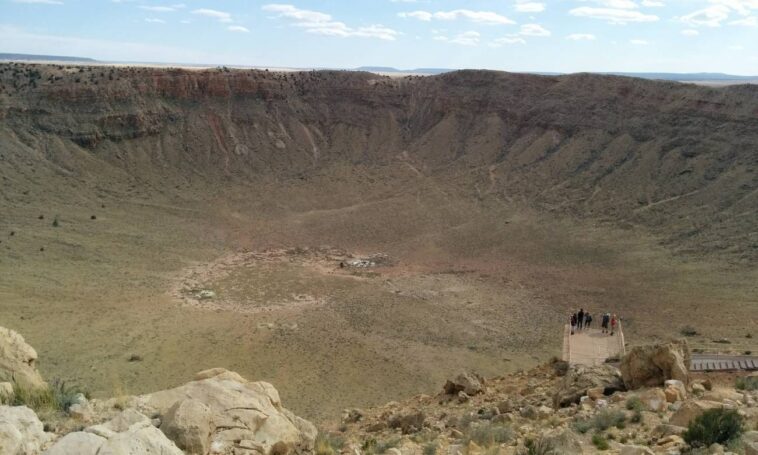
{"points": [[688, 331], [55, 397], [603, 420], [488, 434], [635, 404], [714, 426], [372, 446], [636, 417], [600, 442], [328, 444], [539, 447], [747, 383], [583, 426], [430, 448]]}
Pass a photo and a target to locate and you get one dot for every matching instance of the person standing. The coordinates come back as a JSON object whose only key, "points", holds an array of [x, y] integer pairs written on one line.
{"points": [[614, 321], [606, 320], [587, 320], [572, 319], [580, 319]]}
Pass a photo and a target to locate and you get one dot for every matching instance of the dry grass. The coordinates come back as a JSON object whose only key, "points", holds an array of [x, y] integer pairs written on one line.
{"points": [[478, 285]]}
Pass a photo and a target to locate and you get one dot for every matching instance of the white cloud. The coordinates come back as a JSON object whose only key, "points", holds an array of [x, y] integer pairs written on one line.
{"points": [[39, 2], [425, 16], [292, 12], [508, 40], [743, 7], [470, 38], [221, 16], [534, 30], [711, 16], [613, 15], [155, 21], [750, 21], [482, 17], [652, 4], [162, 9], [690, 32], [581, 37], [528, 6], [615, 4], [720, 12], [323, 24]]}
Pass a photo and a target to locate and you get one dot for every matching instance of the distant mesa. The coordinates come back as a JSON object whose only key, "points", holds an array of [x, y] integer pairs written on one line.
{"points": [[43, 58]]}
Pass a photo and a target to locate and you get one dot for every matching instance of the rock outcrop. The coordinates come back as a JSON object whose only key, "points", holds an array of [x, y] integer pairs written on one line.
{"points": [[21, 432], [230, 415], [129, 433], [18, 360], [579, 379], [653, 365]]}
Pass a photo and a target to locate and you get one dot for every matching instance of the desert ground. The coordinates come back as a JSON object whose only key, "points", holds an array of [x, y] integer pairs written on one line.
{"points": [[462, 284]]}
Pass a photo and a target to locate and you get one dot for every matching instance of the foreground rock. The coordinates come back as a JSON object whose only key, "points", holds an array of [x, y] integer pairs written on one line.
{"points": [[18, 360], [579, 379], [21, 432], [130, 433], [468, 383], [651, 366], [224, 413]]}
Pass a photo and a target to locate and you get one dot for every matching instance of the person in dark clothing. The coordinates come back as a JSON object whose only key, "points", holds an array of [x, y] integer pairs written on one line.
{"points": [[573, 323], [606, 320], [587, 320], [580, 320]]}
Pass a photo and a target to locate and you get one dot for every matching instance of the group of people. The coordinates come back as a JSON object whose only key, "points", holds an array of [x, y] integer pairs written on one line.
{"points": [[583, 320]]}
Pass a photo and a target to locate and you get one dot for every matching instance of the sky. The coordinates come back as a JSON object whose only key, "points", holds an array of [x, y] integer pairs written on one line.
{"points": [[511, 35]]}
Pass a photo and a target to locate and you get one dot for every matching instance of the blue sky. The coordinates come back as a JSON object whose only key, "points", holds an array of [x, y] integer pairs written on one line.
{"points": [[513, 35]]}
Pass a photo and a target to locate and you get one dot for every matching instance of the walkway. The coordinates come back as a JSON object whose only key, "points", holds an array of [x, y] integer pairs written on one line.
{"points": [[591, 347], [717, 362]]}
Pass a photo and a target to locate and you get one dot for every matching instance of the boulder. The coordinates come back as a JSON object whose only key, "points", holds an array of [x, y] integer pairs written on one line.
{"points": [[240, 411], [652, 365], [119, 424], [579, 379], [671, 443], [81, 412], [677, 385], [352, 415], [635, 450], [21, 432], [18, 361], [722, 394], [596, 393], [664, 430], [564, 442], [690, 410], [654, 399], [750, 442], [189, 423], [79, 443], [408, 422], [141, 438], [469, 383]]}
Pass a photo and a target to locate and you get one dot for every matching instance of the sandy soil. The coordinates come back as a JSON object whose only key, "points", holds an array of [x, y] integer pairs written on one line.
{"points": [[469, 285]]}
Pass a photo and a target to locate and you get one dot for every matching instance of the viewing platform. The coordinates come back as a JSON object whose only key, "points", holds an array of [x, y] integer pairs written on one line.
{"points": [[591, 346]]}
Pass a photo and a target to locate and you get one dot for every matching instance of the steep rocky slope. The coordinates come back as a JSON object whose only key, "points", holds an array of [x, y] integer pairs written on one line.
{"points": [[678, 159]]}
